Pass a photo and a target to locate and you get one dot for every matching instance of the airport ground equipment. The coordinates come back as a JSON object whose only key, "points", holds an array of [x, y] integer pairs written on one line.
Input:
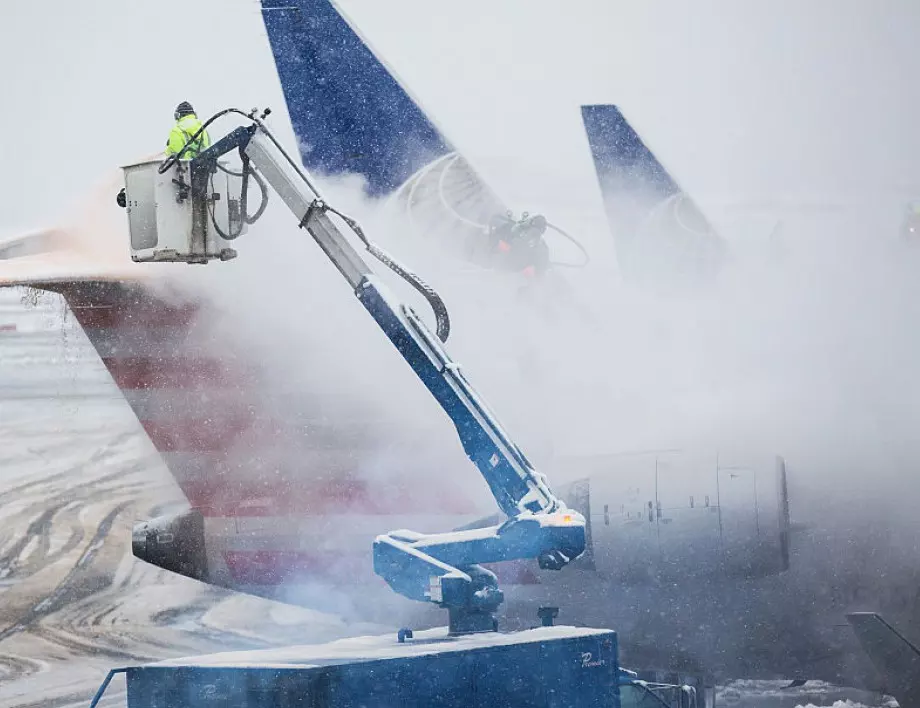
{"points": [[204, 213], [189, 212], [546, 667]]}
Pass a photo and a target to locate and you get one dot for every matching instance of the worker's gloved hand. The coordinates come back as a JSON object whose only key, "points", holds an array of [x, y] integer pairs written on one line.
{"points": [[121, 200]]}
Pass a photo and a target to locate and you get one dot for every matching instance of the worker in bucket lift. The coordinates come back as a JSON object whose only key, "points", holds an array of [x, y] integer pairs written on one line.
{"points": [[519, 245], [184, 133]]}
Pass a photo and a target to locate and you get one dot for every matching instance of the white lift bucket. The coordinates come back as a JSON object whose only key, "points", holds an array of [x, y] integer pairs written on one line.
{"points": [[162, 214]]}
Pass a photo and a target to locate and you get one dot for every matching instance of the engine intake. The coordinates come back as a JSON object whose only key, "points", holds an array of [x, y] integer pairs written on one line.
{"points": [[175, 543]]}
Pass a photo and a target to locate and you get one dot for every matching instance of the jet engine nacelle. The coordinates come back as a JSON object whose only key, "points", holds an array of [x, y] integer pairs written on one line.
{"points": [[671, 518], [175, 543]]}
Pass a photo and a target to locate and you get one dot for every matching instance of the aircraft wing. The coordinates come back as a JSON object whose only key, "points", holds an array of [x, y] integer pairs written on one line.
{"points": [[894, 656]]}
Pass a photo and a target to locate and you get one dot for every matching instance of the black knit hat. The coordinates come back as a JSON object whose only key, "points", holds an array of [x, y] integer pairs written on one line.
{"points": [[184, 109]]}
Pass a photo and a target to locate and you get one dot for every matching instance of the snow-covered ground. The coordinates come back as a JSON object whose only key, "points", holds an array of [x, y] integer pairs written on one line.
{"points": [[76, 471]]}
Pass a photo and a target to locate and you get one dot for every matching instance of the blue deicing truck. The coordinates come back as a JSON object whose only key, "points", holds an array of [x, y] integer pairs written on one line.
{"points": [[547, 667], [555, 667]]}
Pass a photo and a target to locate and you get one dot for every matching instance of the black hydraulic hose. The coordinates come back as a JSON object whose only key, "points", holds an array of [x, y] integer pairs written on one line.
{"points": [[263, 189], [227, 170], [507, 219], [244, 206], [441, 315], [173, 159], [584, 252], [220, 232]]}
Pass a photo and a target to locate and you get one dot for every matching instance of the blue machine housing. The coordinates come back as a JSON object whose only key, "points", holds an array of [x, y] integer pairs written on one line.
{"points": [[350, 114], [548, 667]]}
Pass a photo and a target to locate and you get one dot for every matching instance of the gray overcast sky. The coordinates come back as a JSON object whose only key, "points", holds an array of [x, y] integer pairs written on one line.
{"points": [[740, 99]]}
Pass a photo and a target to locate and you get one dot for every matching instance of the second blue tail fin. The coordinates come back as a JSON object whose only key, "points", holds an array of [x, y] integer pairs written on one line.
{"points": [[660, 233]]}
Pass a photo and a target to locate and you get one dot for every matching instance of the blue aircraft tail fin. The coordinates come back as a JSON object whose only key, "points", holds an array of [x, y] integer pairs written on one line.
{"points": [[660, 233], [348, 111], [352, 116]]}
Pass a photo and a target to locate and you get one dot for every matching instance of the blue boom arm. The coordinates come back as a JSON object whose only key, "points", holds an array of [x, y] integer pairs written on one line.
{"points": [[440, 568]]}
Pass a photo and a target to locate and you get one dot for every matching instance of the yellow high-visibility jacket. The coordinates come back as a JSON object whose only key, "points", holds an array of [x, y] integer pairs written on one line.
{"points": [[183, 131]]}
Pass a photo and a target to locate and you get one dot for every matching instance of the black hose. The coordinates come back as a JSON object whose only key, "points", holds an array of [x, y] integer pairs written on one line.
{"points": [[503, 220], [244, 196], [263, 188], [227, 170], [441, 315], [173, 159], [220, 232], [247, 172], [585, 257]]}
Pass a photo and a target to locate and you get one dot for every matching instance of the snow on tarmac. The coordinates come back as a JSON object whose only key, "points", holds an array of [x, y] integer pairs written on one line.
{"points": [[77, 471], [747, 693]]}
